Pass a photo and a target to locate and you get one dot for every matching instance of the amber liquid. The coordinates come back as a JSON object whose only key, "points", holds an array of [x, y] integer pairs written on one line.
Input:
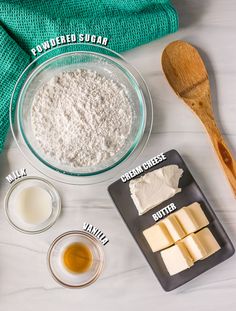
{"points": [[77, 258]]}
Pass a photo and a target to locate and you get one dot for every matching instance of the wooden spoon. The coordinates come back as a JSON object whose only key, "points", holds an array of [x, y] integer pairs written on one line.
{"points": [[187, 75]]}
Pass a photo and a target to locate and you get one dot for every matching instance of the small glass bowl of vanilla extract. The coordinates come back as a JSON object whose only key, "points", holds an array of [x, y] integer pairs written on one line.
{"points": [[75, 259]]}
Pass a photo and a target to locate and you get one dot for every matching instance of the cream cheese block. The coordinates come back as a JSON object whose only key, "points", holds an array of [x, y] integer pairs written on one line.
{"points": [[177, 258], [195, 247], [158, 237], [174, 228], [208, 241], [192, 218], [155, 187]]}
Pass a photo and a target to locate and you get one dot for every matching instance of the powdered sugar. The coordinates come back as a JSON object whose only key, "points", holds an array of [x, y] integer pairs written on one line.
{"points": [[81, 118]]}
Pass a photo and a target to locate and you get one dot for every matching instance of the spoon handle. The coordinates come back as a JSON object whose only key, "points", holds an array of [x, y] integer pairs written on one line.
{"points": [[222, 150]]}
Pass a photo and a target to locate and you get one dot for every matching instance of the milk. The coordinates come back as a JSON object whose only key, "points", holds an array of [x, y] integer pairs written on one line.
{"points": [[34, 205]]}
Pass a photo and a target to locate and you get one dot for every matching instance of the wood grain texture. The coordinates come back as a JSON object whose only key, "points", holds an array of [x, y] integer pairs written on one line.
{"points": [[127, 282], [188, 77]]}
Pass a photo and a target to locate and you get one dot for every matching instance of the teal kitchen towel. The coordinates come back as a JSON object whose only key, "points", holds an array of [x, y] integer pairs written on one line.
{"points": [[25, 24]]}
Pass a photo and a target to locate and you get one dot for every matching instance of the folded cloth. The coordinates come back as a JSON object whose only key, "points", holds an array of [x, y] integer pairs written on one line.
{"points": [[25, 24]]}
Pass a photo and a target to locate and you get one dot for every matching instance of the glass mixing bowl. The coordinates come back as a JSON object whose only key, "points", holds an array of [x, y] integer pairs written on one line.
{"points": [[67, 58]]}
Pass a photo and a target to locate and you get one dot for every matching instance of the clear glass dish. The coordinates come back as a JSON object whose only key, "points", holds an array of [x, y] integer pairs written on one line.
{"points": [[10, 205], [60, 273], [105, 62]]}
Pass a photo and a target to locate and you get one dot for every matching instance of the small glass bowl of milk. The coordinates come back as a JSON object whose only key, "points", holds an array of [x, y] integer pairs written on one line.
{"points": [[32, 205]]}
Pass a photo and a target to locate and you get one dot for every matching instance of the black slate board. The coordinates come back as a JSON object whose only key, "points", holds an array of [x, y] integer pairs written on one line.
{"points": [[190, 193]]}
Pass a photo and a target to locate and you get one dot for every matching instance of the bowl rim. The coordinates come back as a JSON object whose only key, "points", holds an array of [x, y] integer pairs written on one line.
{"points": [[97, 245], [124, 162], [13, 187]]}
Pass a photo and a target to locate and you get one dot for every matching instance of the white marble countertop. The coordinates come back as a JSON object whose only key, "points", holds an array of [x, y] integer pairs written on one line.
{"points": [[128, 282]]}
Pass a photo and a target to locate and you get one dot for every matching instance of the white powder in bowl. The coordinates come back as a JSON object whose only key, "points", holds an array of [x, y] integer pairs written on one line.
{"points": [[81, 118]]}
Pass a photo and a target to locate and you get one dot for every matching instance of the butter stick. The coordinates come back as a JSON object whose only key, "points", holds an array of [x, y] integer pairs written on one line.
{"points": [[158, 237], [174, 228], [195, 247], [208, 241], [192, 218], [176, 258]]}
